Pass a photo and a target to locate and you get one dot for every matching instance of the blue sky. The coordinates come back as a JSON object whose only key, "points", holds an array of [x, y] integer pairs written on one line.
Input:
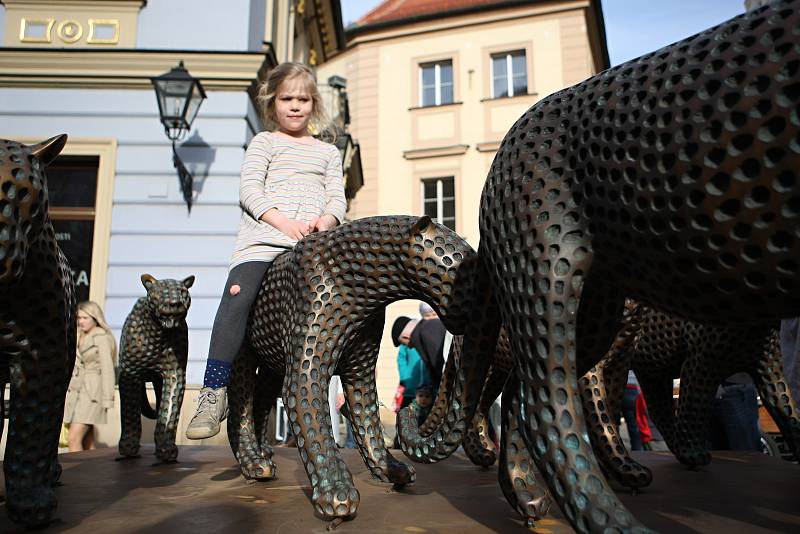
{"points": [[633, 27]]}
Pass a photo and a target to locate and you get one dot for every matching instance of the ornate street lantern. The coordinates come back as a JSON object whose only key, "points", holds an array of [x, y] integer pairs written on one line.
{"points": [[179, 97]]}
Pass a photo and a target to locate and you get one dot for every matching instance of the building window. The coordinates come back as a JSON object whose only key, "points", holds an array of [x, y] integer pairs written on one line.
{"points": [[72, 188], [439, 200], [436, 83], [509, 74]]}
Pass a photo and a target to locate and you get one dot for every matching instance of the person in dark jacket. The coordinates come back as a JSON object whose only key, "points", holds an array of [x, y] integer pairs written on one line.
{"points": [[427, 337]]}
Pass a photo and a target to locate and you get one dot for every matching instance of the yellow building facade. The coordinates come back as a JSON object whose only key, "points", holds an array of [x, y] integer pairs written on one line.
{"points": [[433, 94]]}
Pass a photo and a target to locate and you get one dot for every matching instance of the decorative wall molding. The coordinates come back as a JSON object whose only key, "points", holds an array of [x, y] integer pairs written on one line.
{"points": [[71, 23], [488, 146], [435, 152], [128, 68]]}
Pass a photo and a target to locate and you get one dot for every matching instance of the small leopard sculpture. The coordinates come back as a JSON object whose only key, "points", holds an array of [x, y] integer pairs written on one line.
{"points": [[320, 312], [37, 330], [665, 347], [154, 347]]}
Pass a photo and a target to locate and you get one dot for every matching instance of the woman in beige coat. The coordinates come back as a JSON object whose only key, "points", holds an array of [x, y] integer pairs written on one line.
{"points": [[91, 390]]}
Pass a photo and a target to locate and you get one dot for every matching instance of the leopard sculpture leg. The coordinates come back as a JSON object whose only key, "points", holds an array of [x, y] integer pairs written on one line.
{"points": [[516, 470], [478, 445], [173, 386], [37, 330], [130, 415], [250, 400], [773, 389], [361, 399], [602, 388]]}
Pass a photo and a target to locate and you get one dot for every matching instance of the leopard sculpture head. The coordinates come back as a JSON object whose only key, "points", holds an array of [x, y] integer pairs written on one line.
{"points": [[23, 200], [168, 299]]}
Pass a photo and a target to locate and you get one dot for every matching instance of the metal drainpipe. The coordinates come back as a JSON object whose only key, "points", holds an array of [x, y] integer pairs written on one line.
{"points": [[290, 33]]}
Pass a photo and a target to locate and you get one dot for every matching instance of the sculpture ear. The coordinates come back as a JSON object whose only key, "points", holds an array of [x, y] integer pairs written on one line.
{"points": [[46, 151], [188, 281], [148, 281], [421, 225]]}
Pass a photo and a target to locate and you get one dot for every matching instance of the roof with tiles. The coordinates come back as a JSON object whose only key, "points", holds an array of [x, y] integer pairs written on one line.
{"points": [[395, 10], [392, 13]]}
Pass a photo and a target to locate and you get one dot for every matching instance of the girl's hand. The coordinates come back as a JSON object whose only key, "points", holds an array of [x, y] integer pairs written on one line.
{"points": [[291, 228], [295, 229], [323, 223]]}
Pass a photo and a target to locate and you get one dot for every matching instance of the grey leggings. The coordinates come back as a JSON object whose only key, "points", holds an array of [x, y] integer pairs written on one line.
{"points": [[230, 322]]}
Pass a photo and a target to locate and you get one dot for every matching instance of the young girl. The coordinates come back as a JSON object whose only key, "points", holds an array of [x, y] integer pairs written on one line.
{"points": [[291, 185], [91, 389]]}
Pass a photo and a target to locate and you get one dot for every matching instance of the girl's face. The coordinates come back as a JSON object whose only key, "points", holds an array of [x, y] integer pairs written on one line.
{"points": [[293, 107], [85, 322]]}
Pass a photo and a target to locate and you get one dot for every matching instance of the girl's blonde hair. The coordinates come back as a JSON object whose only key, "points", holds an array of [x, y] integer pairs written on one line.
{"points": [[320, 124], [93, 310]]}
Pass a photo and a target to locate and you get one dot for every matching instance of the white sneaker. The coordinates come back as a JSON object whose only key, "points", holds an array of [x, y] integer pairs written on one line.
{"points": [[212, 408]]}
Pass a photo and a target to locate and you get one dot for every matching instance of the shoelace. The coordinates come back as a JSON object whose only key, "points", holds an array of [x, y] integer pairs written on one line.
{"points": [[205, 400]]}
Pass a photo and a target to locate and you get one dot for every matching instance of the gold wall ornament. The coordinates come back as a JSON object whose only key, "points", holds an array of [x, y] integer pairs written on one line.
{"points": [[28, 28], [70, 23], [69, 31], [97, 27]]}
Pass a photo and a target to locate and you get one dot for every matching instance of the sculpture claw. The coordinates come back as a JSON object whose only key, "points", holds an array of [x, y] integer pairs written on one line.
{"points": [[339, 502]]}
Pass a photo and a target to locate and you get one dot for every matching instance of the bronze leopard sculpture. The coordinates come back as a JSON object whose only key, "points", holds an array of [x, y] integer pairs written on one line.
{"points": [[154, 347], [37, 330], [670, 179], [657, 347], [319, 312], [664, 348]]}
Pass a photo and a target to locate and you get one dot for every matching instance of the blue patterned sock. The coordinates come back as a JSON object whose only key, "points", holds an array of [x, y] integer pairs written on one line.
{"points": [[218, 372]]}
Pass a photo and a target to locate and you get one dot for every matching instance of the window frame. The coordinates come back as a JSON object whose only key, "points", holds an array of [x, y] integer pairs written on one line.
{"points": [[440, 199], [510, 75], [437, 82]]}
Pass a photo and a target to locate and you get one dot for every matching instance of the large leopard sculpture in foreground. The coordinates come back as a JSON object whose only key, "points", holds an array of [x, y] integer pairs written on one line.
{"points": [[671, 179], [154, 347], [320, 312], [37, 330]]}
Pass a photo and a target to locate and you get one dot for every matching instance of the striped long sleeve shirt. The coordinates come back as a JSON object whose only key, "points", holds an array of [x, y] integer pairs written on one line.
{"points": [[301, 179]]}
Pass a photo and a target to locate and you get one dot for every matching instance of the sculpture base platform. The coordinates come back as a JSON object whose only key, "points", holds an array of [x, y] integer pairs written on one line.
{"points": [[203, 493]]}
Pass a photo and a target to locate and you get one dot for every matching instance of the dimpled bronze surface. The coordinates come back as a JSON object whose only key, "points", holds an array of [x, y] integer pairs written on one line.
{"points": [[657, 347], [37, 330], [671, 179], [154, 346], [320, 311], [702, 357]]}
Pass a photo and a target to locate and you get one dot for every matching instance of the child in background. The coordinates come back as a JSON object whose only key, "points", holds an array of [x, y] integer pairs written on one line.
{"points": [[423, 402], [291, 185]]}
